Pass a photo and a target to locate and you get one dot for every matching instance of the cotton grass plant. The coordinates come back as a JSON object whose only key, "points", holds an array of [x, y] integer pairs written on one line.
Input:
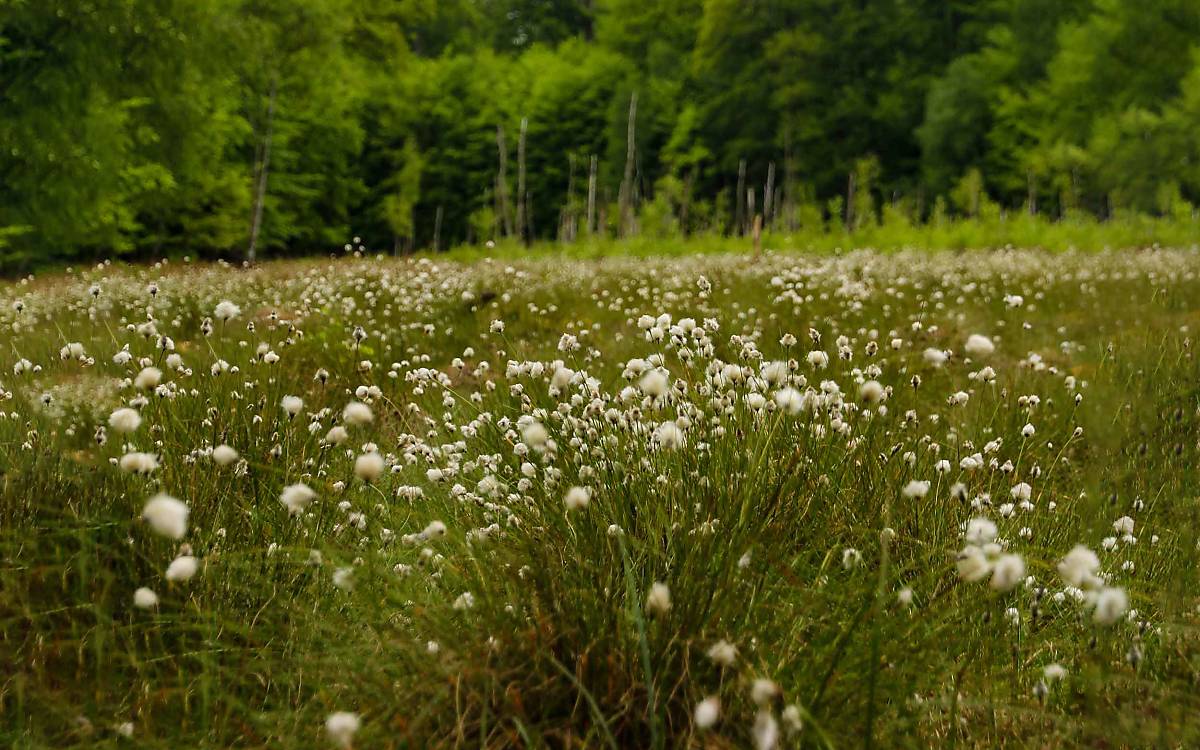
{"points": [[891, 500]]}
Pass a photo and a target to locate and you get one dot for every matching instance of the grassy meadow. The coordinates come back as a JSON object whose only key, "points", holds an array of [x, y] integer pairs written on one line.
{"points": [[846, 499]]}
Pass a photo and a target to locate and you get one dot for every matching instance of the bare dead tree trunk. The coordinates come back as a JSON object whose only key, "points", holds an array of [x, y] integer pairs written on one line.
{"points": [[264, 166], [522, 198], [502, 182], [626, 196], [568, 221], [757, 234], [1032, 200], [769, 195], [749, 205], [739, 218], [591, 199], [850, 203]]}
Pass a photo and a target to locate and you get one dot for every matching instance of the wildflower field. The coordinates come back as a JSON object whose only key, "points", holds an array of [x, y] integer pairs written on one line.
{"points": [[889, 500]]}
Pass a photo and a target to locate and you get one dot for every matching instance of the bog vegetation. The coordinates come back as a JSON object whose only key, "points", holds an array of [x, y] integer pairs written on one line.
{"points": [[238, 128], [893, 500]]}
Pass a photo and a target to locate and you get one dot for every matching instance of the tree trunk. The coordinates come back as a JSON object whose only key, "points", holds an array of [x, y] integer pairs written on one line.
{"points": [[850, 204], [626, 196], [260, 190], [437, 229], [568, 221], [769, 195], [591, 199], [522, 198], [502, 182], [739, 217]]}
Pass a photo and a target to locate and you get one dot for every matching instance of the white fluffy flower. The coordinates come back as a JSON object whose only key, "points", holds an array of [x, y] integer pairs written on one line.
{"points": [[973, 565], [1123, 525], [125, 420], [871, 392], [669, 436], [226, 310], [369, 466], [166, 515], [291, 405], [980, 531], [297, 497], [144, 598], [139, 463], [790, 400], [1111, 605], [1007, 572], [654, 383], [149, 377], [341, 726], [658, 601], [766, 731], [534, 434], [343, 578], [223, 455], [707, 712], [182, 568], [357, 413], [1054, 672], [979, 345], [723, 653], [1079, 566], [577, 498]]}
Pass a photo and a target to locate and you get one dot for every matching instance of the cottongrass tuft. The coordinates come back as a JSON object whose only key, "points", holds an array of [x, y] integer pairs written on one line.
{"points": [[369, 466], [341, 727], [144, 598], [139, 463], [658, 601], [356, 414], [1007, 572], [1111, 605], [223, 455], [148, 378], [723, 653], [577, 498], [125, 420], [182, 568], [979, 345], [291, 405], [707, 712], [166, 515], [1079, 566], [226, 311], [296, 497]]}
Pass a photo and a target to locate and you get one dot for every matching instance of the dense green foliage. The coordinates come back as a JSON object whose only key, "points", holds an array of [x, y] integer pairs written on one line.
{"points": [[155, 127]]}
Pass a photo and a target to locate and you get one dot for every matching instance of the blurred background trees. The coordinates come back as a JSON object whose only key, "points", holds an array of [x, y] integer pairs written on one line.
{"points": [[238, 127]]}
